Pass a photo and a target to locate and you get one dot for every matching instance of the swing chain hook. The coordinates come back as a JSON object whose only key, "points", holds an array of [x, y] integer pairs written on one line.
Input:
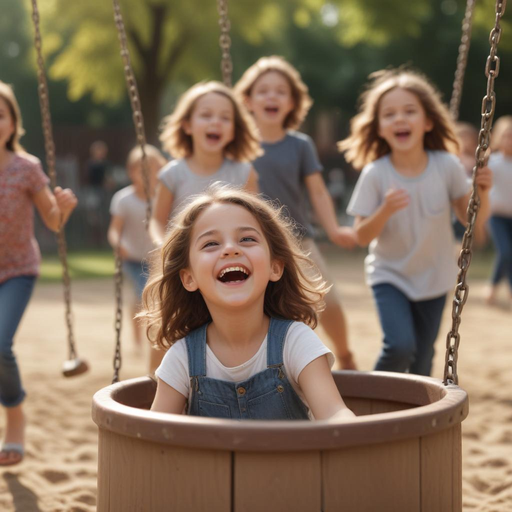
{"points": [[50, 163], [462, 59], [225, 42], [492, 67]]}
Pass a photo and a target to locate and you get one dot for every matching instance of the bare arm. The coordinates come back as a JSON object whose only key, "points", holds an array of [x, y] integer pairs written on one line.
{"points": [[321, 393], [161, 211], [167, 399], [252, 182], [114, 233], [324, 210], [460, 205], [56, 208], [369, 228]]}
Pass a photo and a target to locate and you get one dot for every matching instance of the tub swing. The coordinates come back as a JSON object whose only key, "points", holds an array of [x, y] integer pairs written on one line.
{"points": [[402, 452]]}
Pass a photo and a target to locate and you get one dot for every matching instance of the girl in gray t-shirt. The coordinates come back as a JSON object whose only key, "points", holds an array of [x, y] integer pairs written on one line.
{"points": [[213, 140], [402, 137]]}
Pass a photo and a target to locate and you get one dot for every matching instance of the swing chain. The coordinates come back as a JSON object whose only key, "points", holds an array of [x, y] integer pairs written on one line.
{"points": [[462, 59], [225, 42], [118, 278], [138, 119], [492, 67], [50, 163]]}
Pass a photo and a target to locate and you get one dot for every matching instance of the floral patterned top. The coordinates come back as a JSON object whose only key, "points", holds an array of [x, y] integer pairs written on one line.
{"points": [[19, 181]]}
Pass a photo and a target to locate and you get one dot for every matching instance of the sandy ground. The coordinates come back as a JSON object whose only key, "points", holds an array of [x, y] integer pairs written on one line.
{"points": [[59, 470]]}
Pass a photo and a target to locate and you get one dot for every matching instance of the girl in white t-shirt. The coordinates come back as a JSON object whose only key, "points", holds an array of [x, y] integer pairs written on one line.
{"points": [[212, 138], [403, 136], [500, 163], [232, 301]]}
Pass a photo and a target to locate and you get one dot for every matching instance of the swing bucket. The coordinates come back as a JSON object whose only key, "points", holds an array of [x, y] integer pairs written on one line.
{"points": [[402, 453]]}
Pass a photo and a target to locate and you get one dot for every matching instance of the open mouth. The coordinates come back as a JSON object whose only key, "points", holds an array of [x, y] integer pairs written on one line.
{"points": [[402, 134], [272, 110], [233, 274], [214, 137]]}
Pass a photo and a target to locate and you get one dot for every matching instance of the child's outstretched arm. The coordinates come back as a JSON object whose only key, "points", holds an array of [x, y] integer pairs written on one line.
{"points": [[369, 228], [161, 211], [324, 209], [322, 395], [167, 399], [460, 205], [55, 208], [115, 230]]}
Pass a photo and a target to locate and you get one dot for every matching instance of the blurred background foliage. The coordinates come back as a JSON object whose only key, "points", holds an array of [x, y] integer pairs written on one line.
{"points": [[335, 45]]}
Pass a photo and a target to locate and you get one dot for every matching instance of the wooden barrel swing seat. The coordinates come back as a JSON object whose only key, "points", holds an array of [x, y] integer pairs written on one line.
{"points": [[403, 453]]}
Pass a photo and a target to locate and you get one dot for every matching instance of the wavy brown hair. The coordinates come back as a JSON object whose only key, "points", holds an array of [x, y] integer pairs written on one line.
{"points": [[245, 145], [7, 94], [364, 144], [172, 312], [301, 99]]}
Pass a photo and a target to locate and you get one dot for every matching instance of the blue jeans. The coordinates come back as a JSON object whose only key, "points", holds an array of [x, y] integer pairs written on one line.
{"points": [[410, 329], [137, 272], [14, 296], [501, 232]]}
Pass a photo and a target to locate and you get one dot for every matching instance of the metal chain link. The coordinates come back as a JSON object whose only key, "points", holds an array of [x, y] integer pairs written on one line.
{"points": [[462, 59], [492, 67], [225, 42], [138, 121], [119, 315], [50, 163]]}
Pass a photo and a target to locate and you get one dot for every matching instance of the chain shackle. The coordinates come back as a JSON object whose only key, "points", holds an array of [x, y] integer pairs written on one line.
{"points": [[487, 115], [462, 59], [226, 65], [44, 103]]}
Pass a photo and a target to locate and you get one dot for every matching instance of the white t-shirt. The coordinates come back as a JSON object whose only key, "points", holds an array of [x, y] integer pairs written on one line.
{"points": [[182, 182], [301, 347], [414, 251], [132, 209], [501, 192]]}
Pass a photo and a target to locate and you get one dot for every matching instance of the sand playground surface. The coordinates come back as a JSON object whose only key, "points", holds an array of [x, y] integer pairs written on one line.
{"points": [[59, 471]]}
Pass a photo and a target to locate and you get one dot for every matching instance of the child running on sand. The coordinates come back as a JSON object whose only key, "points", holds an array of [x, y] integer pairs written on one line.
{"points": [[127, 229], [233, 301], [402, 137], [289, 170], [23, 185]]}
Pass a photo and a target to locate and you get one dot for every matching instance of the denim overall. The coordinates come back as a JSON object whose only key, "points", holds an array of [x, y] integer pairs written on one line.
{"points": [[268, 395]]}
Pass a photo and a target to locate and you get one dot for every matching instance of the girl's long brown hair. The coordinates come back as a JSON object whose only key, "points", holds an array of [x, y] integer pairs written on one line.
{"points": [[7, 94], [245, 147], [301, 99], [364, 144], [172, 312]]}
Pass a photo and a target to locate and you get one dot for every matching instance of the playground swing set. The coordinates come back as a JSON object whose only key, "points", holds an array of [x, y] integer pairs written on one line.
{"points": [[401, 453]]}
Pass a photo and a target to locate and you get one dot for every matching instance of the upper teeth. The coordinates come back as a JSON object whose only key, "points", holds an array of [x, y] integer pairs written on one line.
{"points": [[224, 271]]}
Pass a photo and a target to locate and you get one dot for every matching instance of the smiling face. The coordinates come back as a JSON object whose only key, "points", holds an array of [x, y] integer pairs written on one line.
{"points": [[6, 123], [229, 259], [212, 123], [402, 120], [271, 99]]}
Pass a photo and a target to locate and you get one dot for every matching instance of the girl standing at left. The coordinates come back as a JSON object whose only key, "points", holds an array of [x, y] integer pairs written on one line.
{"points": [[23, 184]]}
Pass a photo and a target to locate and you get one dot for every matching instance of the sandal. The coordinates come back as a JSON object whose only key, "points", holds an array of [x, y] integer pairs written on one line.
{"points": [[12, 454]]}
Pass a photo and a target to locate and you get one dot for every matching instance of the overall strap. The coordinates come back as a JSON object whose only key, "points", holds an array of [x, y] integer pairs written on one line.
{"points": [[275, 341], [196, 351]]}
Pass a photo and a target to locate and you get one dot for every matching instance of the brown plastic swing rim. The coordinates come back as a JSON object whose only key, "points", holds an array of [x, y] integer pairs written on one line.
{"points": [[435, 407]]}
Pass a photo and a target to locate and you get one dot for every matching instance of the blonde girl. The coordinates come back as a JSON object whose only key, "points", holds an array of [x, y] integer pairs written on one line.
{"points": [[500, 163], [212, 138], [128, 232], [290, 171], [233, 304], [404, 138], [23, 185]]}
